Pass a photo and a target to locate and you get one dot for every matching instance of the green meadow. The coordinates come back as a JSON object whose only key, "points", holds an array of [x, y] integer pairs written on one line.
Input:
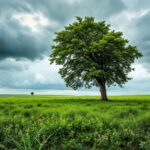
{"points": [[74, 123]]}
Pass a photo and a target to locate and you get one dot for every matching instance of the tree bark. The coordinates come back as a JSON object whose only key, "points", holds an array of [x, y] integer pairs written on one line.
{"points": [[103, 92]]}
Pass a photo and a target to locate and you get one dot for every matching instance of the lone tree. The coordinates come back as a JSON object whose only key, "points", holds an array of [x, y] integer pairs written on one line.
{"points": [[93, 55], [32, 93]]}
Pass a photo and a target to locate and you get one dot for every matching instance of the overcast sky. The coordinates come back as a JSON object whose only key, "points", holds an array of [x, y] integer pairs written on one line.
{"points": [[27, 30]]}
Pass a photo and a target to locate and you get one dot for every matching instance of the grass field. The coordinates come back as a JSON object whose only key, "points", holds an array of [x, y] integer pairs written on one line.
{"points": [[69, 122]]}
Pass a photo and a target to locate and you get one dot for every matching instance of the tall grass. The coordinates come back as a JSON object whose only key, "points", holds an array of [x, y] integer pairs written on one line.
{"points": [[72, 122]]}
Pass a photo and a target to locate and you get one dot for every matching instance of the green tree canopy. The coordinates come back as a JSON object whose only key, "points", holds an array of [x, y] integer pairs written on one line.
{"points": [[93, 55]]}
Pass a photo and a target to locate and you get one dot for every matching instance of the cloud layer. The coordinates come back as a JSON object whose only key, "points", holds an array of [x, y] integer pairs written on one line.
{"points": [[27, 28]]}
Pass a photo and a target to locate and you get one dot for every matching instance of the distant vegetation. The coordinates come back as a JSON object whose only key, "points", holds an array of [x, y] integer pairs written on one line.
{"points": [[67, 122], [32, 93]]}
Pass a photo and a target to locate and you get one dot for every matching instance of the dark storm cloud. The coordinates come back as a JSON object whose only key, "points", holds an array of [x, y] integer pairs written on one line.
{"points": [[64, 10], [142, 36], [19, 45], [101, 9], [17, 41]]}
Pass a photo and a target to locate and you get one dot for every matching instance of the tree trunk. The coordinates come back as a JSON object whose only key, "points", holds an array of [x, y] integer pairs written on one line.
{"points": [[102, 87]]}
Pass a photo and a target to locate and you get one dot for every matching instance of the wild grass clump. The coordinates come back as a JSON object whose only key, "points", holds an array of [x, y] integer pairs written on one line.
{"points": [[39, 104], [28, 106], [129, 113]]}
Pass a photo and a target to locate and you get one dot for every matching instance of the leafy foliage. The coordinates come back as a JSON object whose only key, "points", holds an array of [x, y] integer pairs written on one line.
{"points": [[90, 52]]}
